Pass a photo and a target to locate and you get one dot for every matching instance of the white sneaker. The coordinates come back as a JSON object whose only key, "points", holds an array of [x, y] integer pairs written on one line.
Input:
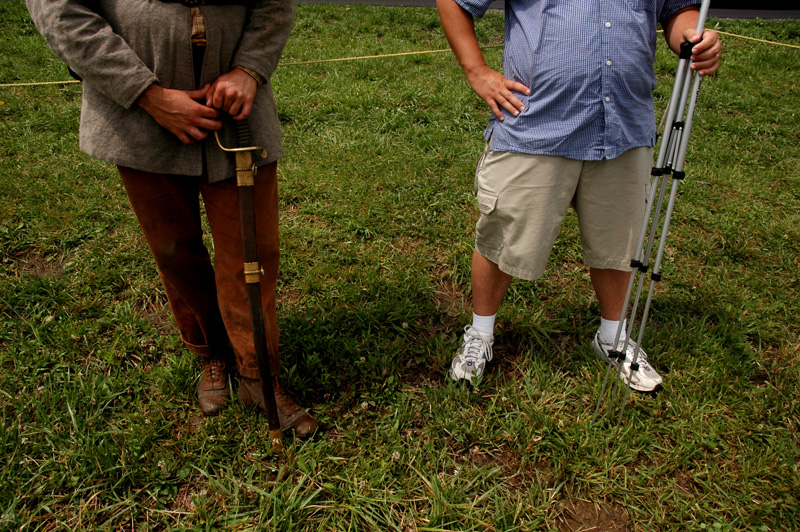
{"points": [[645, 379], [471, 359]]}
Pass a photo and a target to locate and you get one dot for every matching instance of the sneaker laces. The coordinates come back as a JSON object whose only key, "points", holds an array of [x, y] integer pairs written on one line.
{"points": [[474, 344]]}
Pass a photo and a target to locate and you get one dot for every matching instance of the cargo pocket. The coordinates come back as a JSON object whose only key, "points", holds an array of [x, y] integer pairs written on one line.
{"points": [[489, 229], [486, 201]]}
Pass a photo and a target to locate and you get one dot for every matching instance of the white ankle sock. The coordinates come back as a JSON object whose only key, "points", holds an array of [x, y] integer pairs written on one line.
{"points": [[483, 324], [608, 330]]}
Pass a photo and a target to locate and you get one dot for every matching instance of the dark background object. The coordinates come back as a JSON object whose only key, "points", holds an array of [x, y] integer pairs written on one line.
{"points": [[766, 9]]}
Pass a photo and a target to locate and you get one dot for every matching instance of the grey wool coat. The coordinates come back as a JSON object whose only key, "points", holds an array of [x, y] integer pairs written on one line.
{"points": [[121, 47]]}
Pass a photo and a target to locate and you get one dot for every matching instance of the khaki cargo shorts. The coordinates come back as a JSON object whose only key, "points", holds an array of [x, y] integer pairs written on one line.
{"points": [[523, 200]]}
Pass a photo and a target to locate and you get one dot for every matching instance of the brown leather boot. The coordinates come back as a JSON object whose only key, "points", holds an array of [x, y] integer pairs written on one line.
{"points": [[290, 415], [213, 390]]}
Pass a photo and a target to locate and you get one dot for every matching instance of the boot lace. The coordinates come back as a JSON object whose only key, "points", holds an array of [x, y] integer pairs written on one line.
{"points": [[215, 369]]}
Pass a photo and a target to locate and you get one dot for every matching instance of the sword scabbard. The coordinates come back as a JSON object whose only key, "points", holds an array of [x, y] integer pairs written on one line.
{"points": [[253, 271]]}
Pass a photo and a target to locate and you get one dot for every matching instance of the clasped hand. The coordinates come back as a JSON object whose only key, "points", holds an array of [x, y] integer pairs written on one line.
{"points": [[192, 115]]}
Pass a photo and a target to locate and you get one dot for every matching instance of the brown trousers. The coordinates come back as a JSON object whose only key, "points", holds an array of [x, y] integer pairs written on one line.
{"points": [[210, 302]]}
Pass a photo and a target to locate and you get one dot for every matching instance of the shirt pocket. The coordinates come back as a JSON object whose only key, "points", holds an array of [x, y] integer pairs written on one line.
{"points": [[643, 5]]}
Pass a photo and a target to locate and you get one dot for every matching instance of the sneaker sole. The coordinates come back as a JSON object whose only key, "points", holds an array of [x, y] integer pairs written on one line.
{"points": [[458, 380]]}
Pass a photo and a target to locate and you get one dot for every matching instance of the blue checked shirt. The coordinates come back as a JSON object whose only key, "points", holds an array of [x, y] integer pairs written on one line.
{"points": [[589, 65]]}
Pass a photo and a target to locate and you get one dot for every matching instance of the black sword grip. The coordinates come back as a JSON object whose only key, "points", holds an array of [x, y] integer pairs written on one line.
{"points": [[242, 128]]}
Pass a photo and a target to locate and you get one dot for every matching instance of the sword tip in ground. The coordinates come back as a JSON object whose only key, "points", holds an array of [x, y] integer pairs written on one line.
{"points": [[276, 439]]}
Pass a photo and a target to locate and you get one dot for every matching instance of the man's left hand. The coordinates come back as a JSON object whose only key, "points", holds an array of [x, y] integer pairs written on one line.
{"points": [[705, 52], [233, 93]]}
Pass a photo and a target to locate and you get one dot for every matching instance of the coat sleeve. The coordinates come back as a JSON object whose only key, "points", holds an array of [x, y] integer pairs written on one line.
{"points": [[268, 27], [84, 40]]}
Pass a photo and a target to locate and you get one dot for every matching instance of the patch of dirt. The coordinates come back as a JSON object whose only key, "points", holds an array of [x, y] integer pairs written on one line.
{"points": [[40, 267], [184, 502], [506, 361], [759, 378], [684, 482], [585, 516], [290, 297], [502, 457], [451, 299], [161, 319], [517, 476]]}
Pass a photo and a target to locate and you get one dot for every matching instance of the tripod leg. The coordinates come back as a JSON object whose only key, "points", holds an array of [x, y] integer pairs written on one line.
{"points": [[671, 156], [678, 175], [638, 265]]}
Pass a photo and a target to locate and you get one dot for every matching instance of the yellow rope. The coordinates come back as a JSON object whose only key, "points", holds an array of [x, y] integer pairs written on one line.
{"points": [[379, 56], [362, 57], [758, 40], [65, 82]]}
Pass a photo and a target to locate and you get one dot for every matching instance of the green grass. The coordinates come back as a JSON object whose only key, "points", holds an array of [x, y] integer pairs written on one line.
{"points": [[99, 427]]}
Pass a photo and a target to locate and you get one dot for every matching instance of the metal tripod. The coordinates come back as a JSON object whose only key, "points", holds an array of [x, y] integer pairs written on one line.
{"points": [[671, 155]]}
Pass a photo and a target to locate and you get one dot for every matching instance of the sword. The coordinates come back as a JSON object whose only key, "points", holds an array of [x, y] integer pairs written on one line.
{"points": [[245, 180]]}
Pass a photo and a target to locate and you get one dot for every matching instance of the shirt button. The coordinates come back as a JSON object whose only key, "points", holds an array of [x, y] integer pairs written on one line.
{"points": [[608, 63], [608, 99], [608, 24]]}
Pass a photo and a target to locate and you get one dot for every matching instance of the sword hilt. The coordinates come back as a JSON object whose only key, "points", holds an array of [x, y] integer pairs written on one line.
{"points": [[243, 139]]}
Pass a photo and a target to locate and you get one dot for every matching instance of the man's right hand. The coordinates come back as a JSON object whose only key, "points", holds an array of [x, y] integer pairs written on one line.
{"points": [[497, 90], [493, 88], [180, 113]]}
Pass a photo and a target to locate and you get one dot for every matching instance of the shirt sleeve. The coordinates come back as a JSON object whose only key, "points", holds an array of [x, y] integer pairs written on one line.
{"points": [[265, 35], [476, 8], [87, 43], [671, 7], [253, 74]]}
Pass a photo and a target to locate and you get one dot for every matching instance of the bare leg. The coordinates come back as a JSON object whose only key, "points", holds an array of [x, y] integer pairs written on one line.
{"points": [[611, 286], [489, 285]]}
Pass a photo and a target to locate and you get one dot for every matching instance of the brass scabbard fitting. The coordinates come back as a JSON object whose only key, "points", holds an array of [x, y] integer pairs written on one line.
{"points": [[252, 272], [245, 167]]}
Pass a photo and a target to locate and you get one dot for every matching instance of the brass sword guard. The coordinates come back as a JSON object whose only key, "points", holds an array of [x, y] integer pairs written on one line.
{"points": [[245, 167]]}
